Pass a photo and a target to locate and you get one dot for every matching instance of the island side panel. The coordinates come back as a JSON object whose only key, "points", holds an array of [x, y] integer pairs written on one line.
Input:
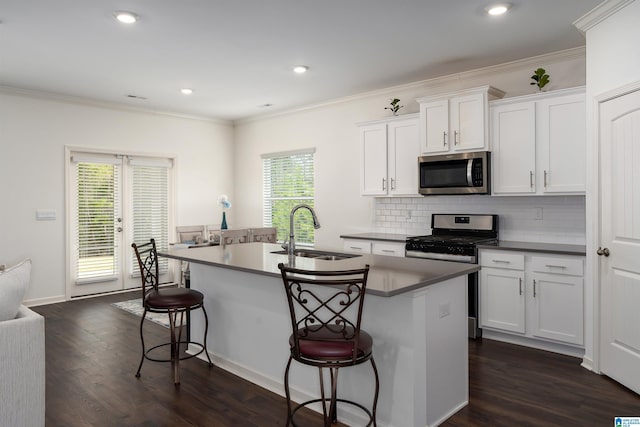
{"points": [[248, 336], [442, 352]]}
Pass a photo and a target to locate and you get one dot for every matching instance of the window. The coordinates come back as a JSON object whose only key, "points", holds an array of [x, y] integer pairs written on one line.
{"points": [[288, 180]]}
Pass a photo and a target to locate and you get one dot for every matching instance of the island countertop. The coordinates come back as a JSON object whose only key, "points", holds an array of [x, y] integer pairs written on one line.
{"points": [[388, 276]]}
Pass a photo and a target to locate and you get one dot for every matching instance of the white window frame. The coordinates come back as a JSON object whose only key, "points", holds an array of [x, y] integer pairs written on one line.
{"points": [[267, 199]]}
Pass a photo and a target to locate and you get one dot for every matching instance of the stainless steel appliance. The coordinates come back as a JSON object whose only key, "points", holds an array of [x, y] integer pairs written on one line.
{"points": [[454, 238], [459, 173]]}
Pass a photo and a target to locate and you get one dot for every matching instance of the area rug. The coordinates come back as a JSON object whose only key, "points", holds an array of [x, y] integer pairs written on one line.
{"points": [[134, 306]]}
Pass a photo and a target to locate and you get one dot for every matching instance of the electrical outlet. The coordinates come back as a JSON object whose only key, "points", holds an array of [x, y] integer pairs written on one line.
{"points": [[444, 309], [538, 214]]}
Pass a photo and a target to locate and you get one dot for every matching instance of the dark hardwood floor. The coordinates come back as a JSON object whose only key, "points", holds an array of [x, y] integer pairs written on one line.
{"points": [[93, 350]]}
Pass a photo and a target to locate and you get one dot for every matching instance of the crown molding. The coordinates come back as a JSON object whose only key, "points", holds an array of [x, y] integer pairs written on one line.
{"points": [[436, 82], [70, 99], [598, 14]]}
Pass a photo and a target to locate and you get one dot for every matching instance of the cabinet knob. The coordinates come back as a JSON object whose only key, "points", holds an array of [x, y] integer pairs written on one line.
{"points": [[604, 252]]}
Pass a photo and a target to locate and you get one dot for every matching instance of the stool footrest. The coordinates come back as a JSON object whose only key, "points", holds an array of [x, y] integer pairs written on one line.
{"points": [[147, 354], [328, 400]]}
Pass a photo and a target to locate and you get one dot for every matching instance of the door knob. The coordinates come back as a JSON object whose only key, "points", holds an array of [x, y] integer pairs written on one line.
{"points": [[602, 251]]}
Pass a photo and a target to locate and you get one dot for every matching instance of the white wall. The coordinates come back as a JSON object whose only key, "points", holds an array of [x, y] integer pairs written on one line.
{"points": [[33, 134], [331, 129]]}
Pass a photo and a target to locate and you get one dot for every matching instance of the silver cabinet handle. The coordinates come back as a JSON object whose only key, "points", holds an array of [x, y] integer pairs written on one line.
{"points": [[501, 261], [555, 266], [534, 288], [390, 251], [545, 179], [355, 247], [393, 184], [384, 184], [604, 252], [444, 138], [520, 285], [531, 178], [456, 139]]}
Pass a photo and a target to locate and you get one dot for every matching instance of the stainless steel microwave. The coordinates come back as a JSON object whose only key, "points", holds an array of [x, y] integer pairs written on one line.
{"points": [[459, 173]]}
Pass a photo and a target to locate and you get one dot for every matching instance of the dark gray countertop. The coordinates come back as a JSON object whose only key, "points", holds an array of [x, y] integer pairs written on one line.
{"points": [[388, 276], [384, 237], [549, 248]]}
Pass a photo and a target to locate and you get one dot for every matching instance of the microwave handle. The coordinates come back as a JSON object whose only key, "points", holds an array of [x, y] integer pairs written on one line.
{"points": [[469, 172]]}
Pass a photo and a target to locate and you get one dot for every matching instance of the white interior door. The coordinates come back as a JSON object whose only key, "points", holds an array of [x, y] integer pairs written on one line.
{"points": [[619, 139]]}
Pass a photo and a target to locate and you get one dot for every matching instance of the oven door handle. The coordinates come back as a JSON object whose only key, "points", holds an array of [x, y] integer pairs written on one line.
{"points": [[469, 172]]}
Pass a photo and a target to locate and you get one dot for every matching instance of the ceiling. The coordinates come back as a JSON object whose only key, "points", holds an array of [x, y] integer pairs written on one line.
{"points": [[238, 55]]}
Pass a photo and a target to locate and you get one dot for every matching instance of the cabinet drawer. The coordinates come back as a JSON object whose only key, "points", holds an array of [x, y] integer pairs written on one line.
{"points": [[497, 259], [566, 266], [357, 246], [390, 249]]}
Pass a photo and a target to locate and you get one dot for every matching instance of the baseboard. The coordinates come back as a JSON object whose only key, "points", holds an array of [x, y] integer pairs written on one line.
{"points": [[533, 343], [44, 301], [450, 414]]}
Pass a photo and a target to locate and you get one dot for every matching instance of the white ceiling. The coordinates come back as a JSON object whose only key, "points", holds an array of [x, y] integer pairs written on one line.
{"points": [[237, 55]]}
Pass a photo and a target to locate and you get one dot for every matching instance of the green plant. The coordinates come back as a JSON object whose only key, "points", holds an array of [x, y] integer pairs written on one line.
{"points": [[540, 78], [394, 106]]}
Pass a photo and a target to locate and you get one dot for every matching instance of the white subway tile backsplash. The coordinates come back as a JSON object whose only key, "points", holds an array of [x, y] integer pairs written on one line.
{"points": [[563, 217]]}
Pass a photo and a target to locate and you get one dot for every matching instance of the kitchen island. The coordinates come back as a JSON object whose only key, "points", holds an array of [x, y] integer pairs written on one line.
{"points": [[416, 311]]}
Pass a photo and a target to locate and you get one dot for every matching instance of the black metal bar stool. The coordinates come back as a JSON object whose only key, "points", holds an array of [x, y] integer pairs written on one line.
{"points": [[326, 332], [173, 302]]}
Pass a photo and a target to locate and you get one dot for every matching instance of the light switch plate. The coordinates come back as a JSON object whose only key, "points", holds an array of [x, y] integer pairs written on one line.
{"points": [[45, 215]]}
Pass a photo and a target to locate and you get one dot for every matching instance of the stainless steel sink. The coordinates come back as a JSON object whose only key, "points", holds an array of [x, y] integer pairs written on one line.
{"points": [[310, 253]]}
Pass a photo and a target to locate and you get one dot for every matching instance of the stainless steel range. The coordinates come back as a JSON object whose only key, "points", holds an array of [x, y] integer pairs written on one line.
{"points": [[454, 238]]}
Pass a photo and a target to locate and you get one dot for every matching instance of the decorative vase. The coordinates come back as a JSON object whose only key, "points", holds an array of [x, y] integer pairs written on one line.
{"points": [[223, 226]]}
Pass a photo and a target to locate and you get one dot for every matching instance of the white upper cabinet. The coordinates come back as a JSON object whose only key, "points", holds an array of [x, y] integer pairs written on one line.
{"points": [[389, 156], [456, 121], [538, 143]]}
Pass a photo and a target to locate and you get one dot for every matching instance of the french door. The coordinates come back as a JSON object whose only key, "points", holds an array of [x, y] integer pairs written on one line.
{"points": [[115, 200], [619, 265]]}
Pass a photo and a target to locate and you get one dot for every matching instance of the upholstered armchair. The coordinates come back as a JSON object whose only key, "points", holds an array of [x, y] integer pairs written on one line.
{"points": [[22, 388]]}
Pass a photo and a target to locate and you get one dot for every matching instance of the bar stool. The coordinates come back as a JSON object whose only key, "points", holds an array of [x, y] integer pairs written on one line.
{"points": [[172, 301], [326, 313]]}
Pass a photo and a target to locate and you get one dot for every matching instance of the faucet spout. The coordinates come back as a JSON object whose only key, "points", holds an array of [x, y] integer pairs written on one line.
{"points": [[316, 225]]}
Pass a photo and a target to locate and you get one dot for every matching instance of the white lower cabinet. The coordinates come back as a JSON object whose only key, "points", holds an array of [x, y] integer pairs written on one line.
{"points": [[375, 247], [532, 295], [502, 299]]}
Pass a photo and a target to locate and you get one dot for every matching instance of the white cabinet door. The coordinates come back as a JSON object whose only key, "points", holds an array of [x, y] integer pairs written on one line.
{"points": [[434, 126], [502, 299], [561, 138], [373, 150], [404, 149], [457, 121], [538, 144], [557, 307], [468, 122], [514, 149]]}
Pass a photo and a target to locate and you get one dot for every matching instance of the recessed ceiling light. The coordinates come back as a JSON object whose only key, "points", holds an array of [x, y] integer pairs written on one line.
{"points": [[498, 9], [300, 69], [186, 91], [126, 17]]}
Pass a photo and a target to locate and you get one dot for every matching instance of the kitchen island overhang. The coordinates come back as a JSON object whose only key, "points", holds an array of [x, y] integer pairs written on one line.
{"points": [[416, 311]]}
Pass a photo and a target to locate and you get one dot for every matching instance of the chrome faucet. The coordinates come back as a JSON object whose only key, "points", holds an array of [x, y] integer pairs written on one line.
{"points": [[292, 245]]}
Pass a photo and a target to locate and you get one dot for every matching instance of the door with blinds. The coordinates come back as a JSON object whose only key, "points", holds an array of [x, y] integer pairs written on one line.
{"points": [[115, 200]]}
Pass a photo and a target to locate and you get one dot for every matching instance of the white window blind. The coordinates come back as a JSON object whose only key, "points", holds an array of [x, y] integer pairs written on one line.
{"points": [[96, 239], [150, 207], [288, 180]]}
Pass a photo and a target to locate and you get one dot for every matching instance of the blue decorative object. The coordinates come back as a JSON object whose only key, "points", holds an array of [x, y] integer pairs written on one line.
{"points": [[223, 226]]}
